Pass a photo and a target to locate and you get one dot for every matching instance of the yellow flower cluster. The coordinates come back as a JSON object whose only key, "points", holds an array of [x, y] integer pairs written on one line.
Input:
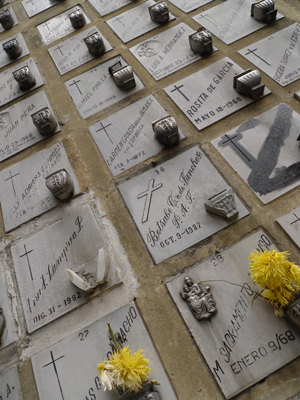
{"points": [[124, 370], [276, 275]]}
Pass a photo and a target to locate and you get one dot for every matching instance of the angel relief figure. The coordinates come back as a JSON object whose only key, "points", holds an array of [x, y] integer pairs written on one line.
{"points": [[199, 299]]}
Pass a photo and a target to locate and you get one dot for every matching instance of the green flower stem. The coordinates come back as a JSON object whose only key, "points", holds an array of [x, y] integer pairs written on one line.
{"points": [[113, 337]]}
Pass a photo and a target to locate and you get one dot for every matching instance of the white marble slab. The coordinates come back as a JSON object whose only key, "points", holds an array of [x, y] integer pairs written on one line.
{"points": [[167, 203], [17, 131], [208, 95], [13, 14], [166, 52], [189, 5], [9, 87], [96, 90], [7, 336], [231, 20], [59, 26], [4, 59], [40, 262], [71, 53], [34, 7], [243, 342], [105, 7], [290, 223], [82, 351], [10, 385], [134, 22], [264, 152], [23, 193], [126, 138], [277, 55]]}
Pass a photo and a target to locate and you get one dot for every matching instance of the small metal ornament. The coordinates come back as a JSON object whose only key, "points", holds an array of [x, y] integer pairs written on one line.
{"points": [[60, 184], [12, 48], [2, 325], [44, 121], [201, 42], [159, 12], [24, 77], [6, 19], [146, 393], [77, 19], [199, 299], [223, 204], [248, 83], [95, 44], [166, 130], [264, 11], [122, 76]]}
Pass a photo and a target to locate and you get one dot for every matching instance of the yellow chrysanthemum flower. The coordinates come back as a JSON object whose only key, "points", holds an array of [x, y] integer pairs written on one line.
{"points": [[276, 275]]}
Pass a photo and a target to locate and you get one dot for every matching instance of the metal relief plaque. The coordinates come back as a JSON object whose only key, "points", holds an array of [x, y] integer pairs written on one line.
{"points": [[107, 6], [34, 7], [12, 13], [71, 53], [95, 89], [23, 193], [290, 223], [59, 26], [4, 59], [231, 20], [243, 342], [52, 366], [126, 138], [208, 95], [277, 55], [264, 152], [167, 203], [166, 52], [17, 131], [10, 385], [6, 334], [9, 87], [189, 5], [134, 22]]}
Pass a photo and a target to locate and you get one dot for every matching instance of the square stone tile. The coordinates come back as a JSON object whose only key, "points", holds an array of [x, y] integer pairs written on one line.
{"points": [[10, 385], [290, 223], [4, 59], [34, 7]]}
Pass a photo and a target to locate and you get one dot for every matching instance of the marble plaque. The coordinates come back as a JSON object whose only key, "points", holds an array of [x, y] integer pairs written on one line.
{"points": [[290, 223], [126, 138], [208, 95], [7, 336], [17, 131], [71, 53], [4, 59], [23, 193], [34, 7], [95, 90], [189, 5], [277, 55], [166, 52], [12, 13], [264, 152], [167, 203], [40, 262], [10, 385], [243, 342], [134, 22], [9, 87], [59, 26], [81, 352], [230, 20], [105, 7]]}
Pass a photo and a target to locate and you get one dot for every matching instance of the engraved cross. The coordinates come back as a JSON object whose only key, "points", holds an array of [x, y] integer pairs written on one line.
{"points": [[296, 220], [75, 83], [148, 194], [103, 128], [12, 182], [28, 262], [59, 48], [56, 373], [256, 55], [178, 88]]}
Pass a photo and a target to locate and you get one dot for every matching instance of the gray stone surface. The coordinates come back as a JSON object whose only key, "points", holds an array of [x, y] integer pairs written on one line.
{"points": [[71, 53], [94, 90], [126, 138], [34, 7], [4, 59], [243, 342], [9, 87], [189, 5], [59, 26], [277, 55], [17, 131], [23, 193], [297, 95], [134, 22], [105, 7], [208, 95], [264, 152], [82, 351], [7, 336], [231, 20], [166, 52], [290, 223], [13, 14], [10, 385], [167, 203]]}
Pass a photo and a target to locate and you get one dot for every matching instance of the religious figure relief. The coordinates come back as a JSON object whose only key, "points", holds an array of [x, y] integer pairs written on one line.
{"points": [[199, 299], [2, 325]]}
